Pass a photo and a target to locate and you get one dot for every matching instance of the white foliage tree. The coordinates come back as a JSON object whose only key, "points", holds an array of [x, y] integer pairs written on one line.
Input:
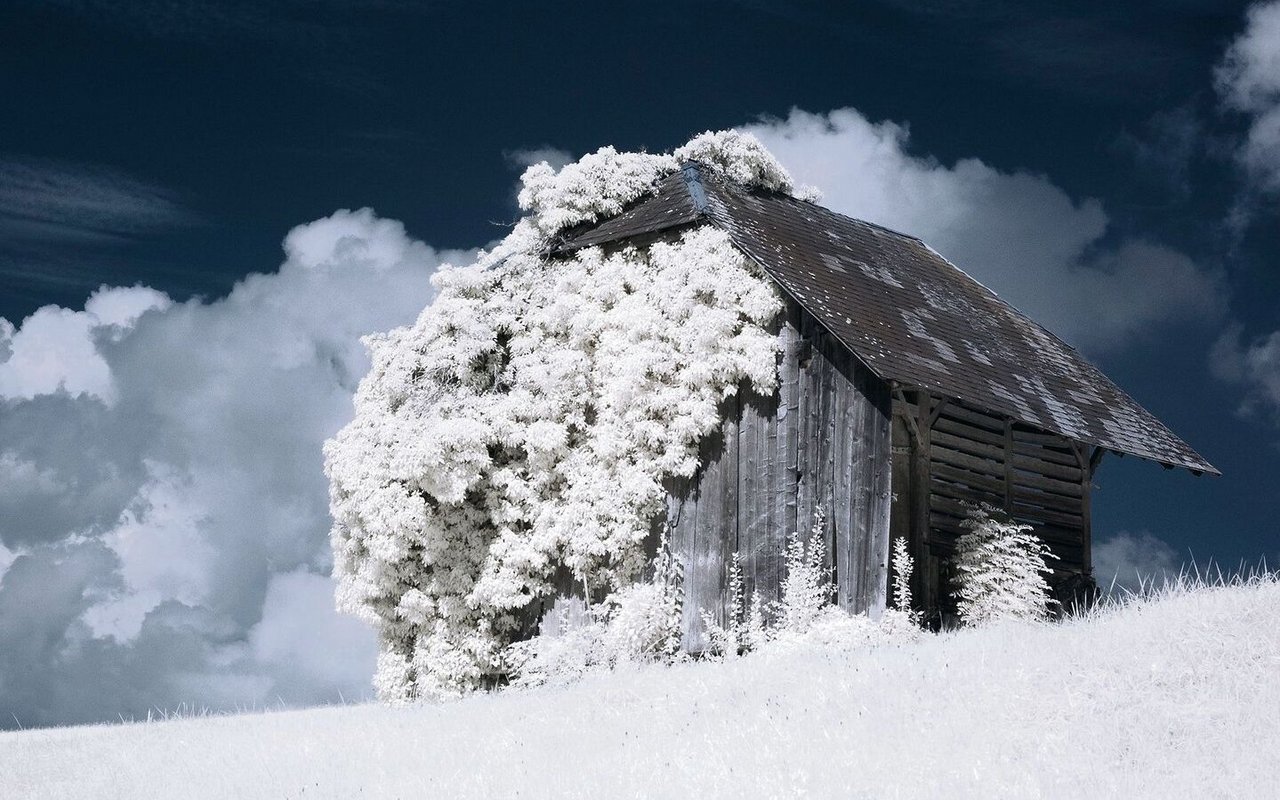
{"points": [[1000, 568], [524, 425]]}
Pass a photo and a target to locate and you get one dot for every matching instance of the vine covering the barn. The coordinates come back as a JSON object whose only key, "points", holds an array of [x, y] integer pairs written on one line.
{"points": [[525, 423]]}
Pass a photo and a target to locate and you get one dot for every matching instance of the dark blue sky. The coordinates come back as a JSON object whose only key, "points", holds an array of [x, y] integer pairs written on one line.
{"points": [[174, 143], [255, 116]]}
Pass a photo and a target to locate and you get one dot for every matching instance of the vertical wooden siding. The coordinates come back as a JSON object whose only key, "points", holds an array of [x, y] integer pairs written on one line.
{"points": [[821, 440]]}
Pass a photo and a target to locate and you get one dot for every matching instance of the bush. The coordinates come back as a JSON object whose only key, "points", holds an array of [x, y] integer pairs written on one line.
{"points": [[637, 624], [1000, 568]]}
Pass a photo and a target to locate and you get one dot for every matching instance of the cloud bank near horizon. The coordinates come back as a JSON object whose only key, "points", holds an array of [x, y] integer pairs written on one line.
{"points": [[163, 511]]}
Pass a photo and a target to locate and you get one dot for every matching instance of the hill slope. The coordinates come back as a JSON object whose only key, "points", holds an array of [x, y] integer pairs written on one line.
{"points": [[1174, 697]]}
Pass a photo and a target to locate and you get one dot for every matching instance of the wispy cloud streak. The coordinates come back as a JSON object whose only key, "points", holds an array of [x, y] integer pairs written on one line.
{"points": [[47, 200]]}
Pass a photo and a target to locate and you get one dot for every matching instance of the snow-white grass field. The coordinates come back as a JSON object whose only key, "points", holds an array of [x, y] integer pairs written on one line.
{"points": [[1177, 696]]}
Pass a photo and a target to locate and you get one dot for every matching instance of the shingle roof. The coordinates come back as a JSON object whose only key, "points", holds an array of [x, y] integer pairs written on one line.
{"points": [[907, 313]]}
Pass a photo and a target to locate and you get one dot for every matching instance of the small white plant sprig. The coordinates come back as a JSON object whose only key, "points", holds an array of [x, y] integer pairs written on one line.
{"points": [[807, 587], [1000, 568], [903, 567], [744, 630]]}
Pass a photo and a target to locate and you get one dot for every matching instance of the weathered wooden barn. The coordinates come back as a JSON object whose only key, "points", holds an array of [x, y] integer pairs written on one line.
{"points": [[907, 389]]}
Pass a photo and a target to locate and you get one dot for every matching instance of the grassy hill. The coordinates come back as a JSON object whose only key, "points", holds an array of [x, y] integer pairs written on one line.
{"points": [[1174, 696]]}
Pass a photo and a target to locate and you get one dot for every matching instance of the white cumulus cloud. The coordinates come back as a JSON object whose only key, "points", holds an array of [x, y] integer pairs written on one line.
{"points": [[1253, 365], [56, 348], [1133, 560], [1248, 81]]}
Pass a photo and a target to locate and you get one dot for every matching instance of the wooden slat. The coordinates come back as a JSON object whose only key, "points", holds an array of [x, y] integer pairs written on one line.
{"points": [[1054, 485], [1064, 544], [1054, 535], [1037, 437], [900, 484], [948, 505], [957, 508], [966, 494], [969, 446], [1053, 502], [986, 466], [1043, 515], [943, 548], [1043, 453], [1066, 558], [1008, 465], [965, 431], [991, 422], [1045, 468], [1086, 511], [947, 527], [924, 586], [966, 477], [760, 469], [877, 460], [789, 432], [847, 431], [806, 435], [709, 538]]}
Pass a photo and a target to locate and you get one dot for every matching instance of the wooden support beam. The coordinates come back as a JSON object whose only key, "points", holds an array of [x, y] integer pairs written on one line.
{"points": [[912, 425], [1089, 462], [1086, 522], [1080, 450], [1008, 465], [926, 579], [1096, 459], [941, 403]]}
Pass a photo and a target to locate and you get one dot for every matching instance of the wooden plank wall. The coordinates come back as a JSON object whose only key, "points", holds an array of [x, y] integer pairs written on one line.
{"points": [[821, 439], [967, 455]]}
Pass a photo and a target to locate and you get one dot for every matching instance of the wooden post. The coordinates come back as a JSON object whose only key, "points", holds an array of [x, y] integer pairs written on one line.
{"points": [[903, 447], [925, 583], [1008, 466], [1086, 510]]}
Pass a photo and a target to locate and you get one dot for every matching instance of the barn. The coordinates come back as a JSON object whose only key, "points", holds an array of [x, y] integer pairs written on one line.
{"points": [[906, 391]]}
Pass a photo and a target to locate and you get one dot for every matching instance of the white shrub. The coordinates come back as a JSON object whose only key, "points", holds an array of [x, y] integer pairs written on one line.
{"points": [[646, 622], [640, 623], [526, 422], [1000, 568], [807, 588]]}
